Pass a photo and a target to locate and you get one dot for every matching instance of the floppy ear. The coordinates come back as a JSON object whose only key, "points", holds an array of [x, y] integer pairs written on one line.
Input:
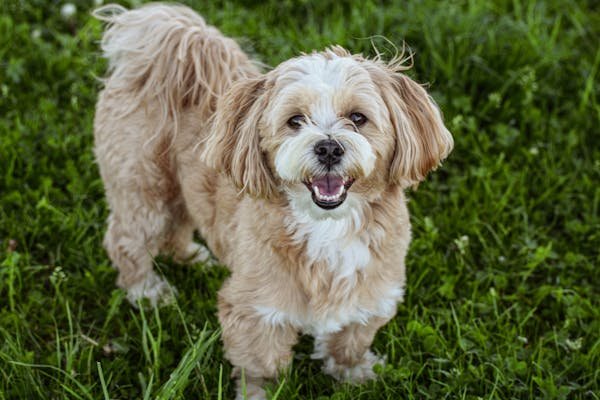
{"points": [[233, 146], [422, 141]]}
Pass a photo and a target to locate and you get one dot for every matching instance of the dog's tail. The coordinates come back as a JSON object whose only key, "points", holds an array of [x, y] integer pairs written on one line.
{"points": [[167, 55]]}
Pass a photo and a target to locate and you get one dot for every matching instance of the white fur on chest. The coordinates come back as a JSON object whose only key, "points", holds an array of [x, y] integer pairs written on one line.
{"points": [[341, 243]]}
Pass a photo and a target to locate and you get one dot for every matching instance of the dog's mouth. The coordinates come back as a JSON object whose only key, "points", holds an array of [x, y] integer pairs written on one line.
{"points": [[329, 191]]}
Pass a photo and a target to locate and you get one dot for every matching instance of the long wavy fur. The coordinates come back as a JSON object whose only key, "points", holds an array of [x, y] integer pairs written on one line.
{"points": [[169, 55]]}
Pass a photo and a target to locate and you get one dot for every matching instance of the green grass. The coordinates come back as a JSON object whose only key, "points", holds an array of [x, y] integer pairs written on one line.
{"points": [[503, 283]]}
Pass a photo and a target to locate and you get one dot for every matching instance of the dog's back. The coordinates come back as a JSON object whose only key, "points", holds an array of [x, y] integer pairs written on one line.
{"points": [[165, 64]]}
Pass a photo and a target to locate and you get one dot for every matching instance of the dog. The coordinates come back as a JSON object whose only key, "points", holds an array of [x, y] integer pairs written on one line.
{"points": [[295, 178]]}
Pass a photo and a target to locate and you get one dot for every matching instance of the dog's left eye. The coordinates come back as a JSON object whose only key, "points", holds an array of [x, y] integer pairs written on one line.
{"points": [[358, 119], [296, 121]]}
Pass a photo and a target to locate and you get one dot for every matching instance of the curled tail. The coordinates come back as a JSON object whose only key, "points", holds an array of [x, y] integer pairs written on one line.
{"points": [[167, 55]]}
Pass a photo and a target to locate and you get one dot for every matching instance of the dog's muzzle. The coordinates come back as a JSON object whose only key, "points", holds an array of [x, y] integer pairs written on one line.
{"points": [[330, 190]]}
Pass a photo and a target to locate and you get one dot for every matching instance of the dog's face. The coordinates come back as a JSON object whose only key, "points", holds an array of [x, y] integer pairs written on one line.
{"points": [[328, 130]]}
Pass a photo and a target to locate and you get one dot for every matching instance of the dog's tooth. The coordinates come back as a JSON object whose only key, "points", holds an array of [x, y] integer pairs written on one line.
{"points": [[316, 190]]}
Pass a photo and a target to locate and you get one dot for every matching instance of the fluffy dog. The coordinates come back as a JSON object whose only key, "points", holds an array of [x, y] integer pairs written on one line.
{"points": [[294, 177]]}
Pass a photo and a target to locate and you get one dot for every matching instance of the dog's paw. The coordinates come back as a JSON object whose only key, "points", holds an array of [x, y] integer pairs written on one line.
{"points": [[194, 253], [359, 373], [253, 391], [154, 289]]}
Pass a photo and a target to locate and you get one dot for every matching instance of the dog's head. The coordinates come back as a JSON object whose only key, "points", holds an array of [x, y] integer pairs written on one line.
{"points": [[329, 130]]}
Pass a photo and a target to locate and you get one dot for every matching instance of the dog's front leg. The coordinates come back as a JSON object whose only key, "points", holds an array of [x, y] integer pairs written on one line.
{"points": [[346, 354], [258, 350]]}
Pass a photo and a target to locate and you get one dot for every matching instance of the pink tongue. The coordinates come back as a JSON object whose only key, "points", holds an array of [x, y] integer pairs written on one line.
{"points": [[329, 185]]}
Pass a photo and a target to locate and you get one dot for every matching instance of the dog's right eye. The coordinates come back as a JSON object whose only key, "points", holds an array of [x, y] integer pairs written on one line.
{"points": [[296, 121]]}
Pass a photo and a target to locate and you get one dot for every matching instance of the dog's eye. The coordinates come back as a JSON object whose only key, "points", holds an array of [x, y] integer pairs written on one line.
{"points": [[358, 119], [296, 121]]}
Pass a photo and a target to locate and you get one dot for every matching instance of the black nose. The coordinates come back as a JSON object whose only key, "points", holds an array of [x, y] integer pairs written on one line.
{"points": [[329, 152]]}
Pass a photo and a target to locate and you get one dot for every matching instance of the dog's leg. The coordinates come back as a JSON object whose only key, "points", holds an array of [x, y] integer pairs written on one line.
{"points": [[180, 243], [346, 354], [131, 244], [258, 350]]}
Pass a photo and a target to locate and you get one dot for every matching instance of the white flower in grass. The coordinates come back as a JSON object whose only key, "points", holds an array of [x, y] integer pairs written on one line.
{"points": [[534, 151], [58, 276], [522, 339], [68, 10], [462, 243], [574, 345]]}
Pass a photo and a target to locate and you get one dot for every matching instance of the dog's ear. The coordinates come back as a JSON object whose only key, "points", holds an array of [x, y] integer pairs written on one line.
{"points": [[233, 146], [421, 139]]}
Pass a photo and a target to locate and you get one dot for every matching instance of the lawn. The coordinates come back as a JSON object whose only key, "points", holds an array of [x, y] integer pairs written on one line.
{"points": [[503, 295]]}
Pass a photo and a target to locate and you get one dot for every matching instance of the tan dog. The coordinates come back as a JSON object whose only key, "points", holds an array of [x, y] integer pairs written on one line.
{"points": [[294, 177]]}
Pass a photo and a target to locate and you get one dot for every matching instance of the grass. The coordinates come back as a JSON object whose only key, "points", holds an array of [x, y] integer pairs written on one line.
{"points": [[503, 285]]}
